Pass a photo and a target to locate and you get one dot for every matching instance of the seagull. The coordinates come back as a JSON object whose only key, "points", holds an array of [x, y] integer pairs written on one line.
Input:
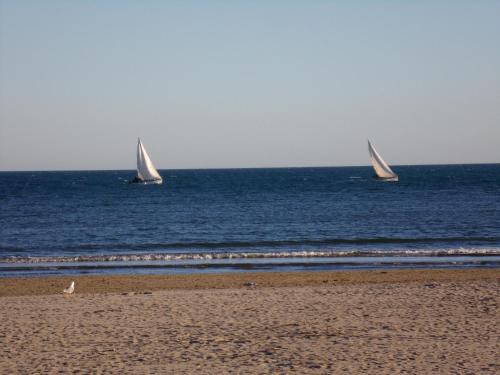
{"points": [[71, 288]]}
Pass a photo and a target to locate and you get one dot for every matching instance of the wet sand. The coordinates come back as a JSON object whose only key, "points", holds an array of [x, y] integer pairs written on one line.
{"points": [[372, 322]]}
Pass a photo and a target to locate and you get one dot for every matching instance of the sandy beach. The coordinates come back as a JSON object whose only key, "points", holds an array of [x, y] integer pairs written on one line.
{"points": [[374, 322]]}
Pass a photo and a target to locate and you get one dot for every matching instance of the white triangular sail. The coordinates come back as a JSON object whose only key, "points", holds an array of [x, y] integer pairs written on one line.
{"points": [[146, 171], [382, 170]]}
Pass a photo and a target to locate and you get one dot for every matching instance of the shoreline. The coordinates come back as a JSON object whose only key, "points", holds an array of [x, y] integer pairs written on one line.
{"points": [[93, 284]]}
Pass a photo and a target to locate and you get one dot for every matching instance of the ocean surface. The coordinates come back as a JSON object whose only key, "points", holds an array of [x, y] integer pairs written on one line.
{"points": [[82, 222]]}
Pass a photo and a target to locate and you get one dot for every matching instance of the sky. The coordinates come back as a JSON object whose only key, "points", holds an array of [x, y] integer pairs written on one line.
{"points": [[228, 84]]}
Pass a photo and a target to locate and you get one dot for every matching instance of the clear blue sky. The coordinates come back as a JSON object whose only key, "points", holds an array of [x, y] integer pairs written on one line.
{"points": [[247, 83]]}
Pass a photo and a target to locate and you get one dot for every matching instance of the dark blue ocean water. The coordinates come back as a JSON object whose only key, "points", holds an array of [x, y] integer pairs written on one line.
{"points": [[248, 219]]}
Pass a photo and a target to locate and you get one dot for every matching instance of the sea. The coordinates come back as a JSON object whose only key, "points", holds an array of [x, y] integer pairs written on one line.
{"points": [[240, 220]]}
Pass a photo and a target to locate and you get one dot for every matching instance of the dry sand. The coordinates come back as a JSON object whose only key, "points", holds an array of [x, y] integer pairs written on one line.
{"points": [[413, 322]]}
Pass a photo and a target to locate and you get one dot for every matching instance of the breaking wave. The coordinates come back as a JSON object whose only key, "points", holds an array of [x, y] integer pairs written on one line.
{"points": [[200, 256]]}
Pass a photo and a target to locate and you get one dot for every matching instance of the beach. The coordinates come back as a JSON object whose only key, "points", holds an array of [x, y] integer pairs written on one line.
{"points": [[373, 322]]}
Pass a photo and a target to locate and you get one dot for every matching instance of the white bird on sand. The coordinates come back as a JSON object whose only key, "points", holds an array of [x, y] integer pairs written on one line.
{"points": [[71, 288]]}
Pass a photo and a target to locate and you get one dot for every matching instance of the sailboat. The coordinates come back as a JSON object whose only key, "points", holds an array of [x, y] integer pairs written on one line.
{"points": [[146, 171], [382, 171]]}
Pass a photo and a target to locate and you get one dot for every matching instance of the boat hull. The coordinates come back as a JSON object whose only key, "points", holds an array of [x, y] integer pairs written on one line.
{"points": [[387, 179], [154, 182], [149, 182]]}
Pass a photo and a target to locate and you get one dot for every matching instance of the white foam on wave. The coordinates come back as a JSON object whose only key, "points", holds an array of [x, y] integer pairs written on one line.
{"points": [[255, 255]]}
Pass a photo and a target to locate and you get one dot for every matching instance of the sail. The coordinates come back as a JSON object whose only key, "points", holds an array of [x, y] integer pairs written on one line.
{"points": [[146, 171], [382, 170]]}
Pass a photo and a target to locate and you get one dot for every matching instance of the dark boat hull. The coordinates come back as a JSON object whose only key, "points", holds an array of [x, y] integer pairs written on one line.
{"points": [[139, 181]]}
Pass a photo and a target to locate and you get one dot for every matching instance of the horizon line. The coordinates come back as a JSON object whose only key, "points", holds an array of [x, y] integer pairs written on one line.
{"points": [[233, 168]]}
